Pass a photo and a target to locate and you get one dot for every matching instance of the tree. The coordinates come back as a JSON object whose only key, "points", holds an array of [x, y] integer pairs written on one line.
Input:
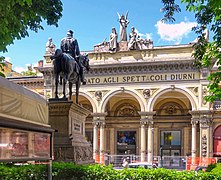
{"points": [[2, 66], [19, 16], [208, 16], [28, 73]]}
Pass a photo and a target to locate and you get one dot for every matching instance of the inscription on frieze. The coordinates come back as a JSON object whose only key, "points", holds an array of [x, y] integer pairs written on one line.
{"points": [[143, 78]]}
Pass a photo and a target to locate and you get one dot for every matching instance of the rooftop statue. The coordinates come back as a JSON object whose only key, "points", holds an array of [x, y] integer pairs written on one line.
{"points": [[205, 34], [144, 43], [102, 47], [113, 40], [132, 45], [50, 46], [123, 26], [138, 43], [135, 41]]}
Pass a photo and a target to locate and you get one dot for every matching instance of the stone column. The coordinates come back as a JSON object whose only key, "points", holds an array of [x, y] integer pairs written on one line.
{"points": [[143, 141], [150, 142], [194, 122], [95, 142], [147, 118], [194, 129], [112, 140], [186, 141], [102, 141], [205, 133], [99, 120]]}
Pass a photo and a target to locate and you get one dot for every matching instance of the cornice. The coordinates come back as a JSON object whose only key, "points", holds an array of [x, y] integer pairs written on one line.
{"points": [[143, 67]]}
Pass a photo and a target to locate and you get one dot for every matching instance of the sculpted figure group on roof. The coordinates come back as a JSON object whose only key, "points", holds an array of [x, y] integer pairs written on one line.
{"points": [[135, 41]]}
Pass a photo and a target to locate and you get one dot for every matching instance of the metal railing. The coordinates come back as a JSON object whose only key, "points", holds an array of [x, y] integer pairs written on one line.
{"points": [[169, 162]]}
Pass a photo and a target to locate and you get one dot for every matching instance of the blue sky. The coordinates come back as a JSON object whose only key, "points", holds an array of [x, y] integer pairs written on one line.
{"points": [[92, 21]]}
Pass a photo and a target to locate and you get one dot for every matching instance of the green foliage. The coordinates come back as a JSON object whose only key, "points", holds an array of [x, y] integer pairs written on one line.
{"points": [[210, 167], [19, 16], [28, 73], [208, 16], [217, 169], [2, 66], [70, 171], [170, 8], [25, 172]]}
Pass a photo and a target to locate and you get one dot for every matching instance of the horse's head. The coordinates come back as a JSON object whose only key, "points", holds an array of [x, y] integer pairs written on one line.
{"points": [[57, 54], [85, 61]]}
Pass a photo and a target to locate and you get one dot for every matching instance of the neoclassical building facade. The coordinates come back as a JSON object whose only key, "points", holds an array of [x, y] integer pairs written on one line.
{"points": [[147, 102]]}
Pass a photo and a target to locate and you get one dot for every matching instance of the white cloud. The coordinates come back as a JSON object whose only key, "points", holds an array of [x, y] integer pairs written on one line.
{"points": [[8, 59], [174, 32], [145, 36], [20, 69]]}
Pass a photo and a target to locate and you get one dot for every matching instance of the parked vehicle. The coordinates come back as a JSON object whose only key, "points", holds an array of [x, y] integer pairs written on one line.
{"points": [[200, 168], [145, 165]]}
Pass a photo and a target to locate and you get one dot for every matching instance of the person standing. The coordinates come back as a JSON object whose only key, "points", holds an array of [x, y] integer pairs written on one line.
{"points": [[125, 163], [69, 45]]}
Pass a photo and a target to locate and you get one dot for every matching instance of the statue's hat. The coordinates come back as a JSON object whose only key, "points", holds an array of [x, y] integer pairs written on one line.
{"points": [[70, 31]]}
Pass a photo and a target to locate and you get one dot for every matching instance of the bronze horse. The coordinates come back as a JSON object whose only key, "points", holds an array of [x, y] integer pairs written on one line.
{"points": [[67, 70]]}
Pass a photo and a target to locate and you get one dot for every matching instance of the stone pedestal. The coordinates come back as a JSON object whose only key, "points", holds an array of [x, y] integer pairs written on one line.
{"points": [[68, 120], [123, 46]]}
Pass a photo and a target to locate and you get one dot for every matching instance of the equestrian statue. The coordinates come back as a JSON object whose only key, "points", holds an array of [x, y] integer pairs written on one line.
{"points": [[67, 69]]}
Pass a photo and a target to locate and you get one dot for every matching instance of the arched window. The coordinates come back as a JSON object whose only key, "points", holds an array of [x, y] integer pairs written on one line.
{"points": [[217, 142]]}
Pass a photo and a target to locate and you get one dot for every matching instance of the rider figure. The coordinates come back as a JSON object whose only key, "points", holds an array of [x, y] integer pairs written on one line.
{"points": [[70, 46]]}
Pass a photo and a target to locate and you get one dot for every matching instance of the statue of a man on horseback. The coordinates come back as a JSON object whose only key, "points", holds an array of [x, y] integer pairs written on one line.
{"points": [[69, 45], [69, 66]]}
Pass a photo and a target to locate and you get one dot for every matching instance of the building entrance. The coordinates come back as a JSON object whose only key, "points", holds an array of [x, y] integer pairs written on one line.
{"points": [[126, 142], [170, 143]]}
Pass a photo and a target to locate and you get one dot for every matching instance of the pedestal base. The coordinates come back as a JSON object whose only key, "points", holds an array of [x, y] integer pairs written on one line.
{"points": [[123, 46], [68, 119]]}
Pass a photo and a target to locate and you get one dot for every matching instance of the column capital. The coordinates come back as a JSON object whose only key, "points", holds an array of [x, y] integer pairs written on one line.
{"points": [[206, 122], [200, 113], [96, 151], [206, 119], [95, 124], [147, 117], [99, 115], [102, 124], [98, 124], [99, 118], [143, 123], [203, 117], [194, 122]]}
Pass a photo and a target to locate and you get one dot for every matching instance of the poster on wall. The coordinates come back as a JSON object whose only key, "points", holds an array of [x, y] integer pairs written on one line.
{"points": [[19, 144], [41, 145]]}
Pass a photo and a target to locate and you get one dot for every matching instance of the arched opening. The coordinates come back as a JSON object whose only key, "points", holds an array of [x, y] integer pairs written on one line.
{"points": [[173, 124], [122, 124], [217, 142]]}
